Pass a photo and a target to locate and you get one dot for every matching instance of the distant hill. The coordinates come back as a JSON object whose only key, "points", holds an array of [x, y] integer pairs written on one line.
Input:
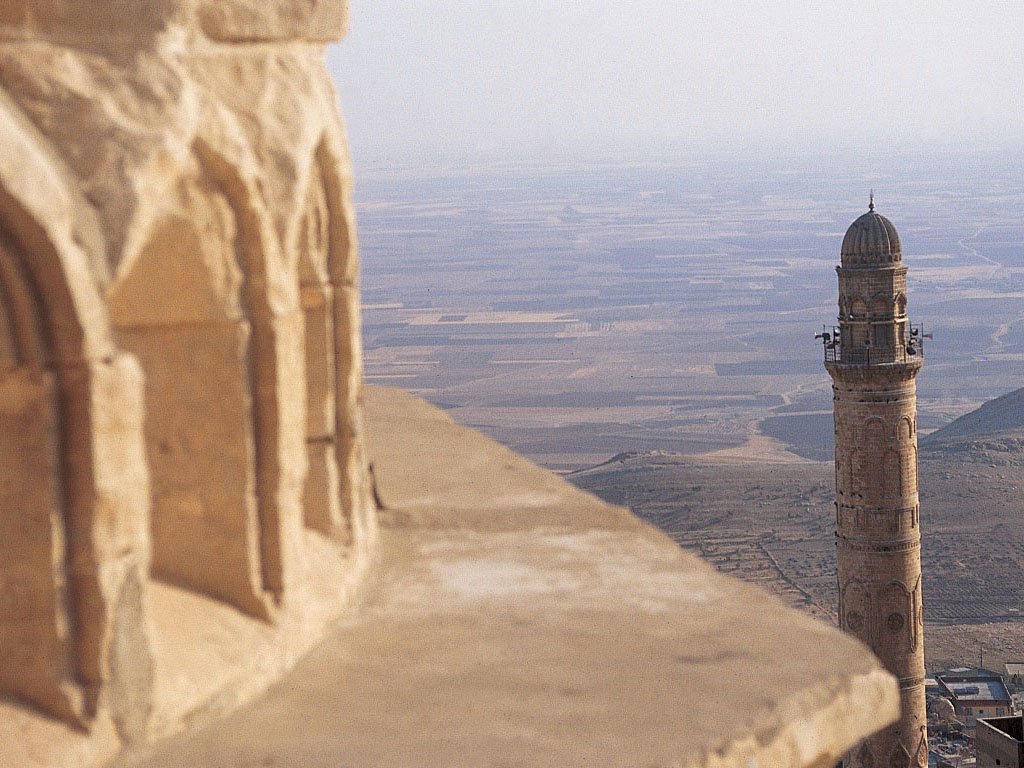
{"points": [[1002, 415]]}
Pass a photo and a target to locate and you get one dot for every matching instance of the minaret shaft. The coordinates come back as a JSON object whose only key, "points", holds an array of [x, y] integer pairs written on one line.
{"points": [[873, 357]]}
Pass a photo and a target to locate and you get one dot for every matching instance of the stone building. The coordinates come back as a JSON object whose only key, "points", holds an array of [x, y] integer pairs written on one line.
{"points": [[873, 357], [1015, 675], [975, 693], [179, 329], [999, 742]]}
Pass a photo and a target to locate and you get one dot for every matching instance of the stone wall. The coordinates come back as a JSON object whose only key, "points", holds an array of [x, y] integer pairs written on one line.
{"points": [[179, 330], [998, 742]]}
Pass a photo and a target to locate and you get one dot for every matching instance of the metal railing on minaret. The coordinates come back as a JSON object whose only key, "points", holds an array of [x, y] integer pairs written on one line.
{"points": [[867, 354]]}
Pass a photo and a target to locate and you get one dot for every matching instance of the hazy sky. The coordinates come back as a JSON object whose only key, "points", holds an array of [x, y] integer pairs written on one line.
{"points": [[462, 80]]}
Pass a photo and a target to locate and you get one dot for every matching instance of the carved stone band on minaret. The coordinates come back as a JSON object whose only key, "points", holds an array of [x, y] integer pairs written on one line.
{"points": [[873, 355]]}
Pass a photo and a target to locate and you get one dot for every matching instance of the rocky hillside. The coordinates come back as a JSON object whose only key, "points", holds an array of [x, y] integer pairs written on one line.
{"points": [[1005, 414]]}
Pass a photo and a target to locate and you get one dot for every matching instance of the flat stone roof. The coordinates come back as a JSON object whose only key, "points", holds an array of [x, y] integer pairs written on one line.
{"points": [[514, 620], [983, 690]]}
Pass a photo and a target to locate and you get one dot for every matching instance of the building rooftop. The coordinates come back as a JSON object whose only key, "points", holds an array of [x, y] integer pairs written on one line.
{"points": [[1011, 727], [959, 673], [974, 684], [980, 690]]}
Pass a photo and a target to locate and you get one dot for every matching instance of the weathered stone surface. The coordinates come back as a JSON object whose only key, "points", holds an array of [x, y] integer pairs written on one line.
{"points": [[165, 194], [90, 22], [530, 624], [101, 23], [200, 449], [247, 20], [321, 498]]}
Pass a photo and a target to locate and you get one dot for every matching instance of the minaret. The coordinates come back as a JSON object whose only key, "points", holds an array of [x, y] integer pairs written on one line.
{"points": [[873, 357]]}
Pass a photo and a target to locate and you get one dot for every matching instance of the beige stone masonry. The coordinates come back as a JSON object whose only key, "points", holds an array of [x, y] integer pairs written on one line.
{"points": [[179, 354]]}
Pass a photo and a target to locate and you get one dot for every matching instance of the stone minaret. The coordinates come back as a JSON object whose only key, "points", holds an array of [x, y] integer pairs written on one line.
{"points": [[873, 357]]}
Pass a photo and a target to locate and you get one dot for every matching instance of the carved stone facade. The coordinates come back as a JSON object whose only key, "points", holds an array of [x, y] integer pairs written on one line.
{"points": [[873, 357], [179, 329]]}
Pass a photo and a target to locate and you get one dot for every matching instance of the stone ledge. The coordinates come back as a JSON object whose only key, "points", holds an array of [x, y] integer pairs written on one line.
{"points": [[131, 21], [210, 659], [517, 621]]}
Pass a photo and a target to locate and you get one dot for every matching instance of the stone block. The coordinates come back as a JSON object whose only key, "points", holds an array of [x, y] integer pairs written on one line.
{"points": [[153, 186], [98, 20], [538, 626], [247, 20], [186, 273]]}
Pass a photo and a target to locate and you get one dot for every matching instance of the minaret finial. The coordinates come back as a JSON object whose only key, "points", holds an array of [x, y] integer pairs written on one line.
{"points": [[871, 201]]}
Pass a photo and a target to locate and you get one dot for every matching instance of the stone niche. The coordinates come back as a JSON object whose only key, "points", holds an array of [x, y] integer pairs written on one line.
{"points": [[179, 332]]}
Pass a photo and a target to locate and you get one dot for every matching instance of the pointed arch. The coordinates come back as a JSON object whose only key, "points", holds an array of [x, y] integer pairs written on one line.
{"points": [[72, 500], [921, 753], [908, 471], [904, 428], [896, 612], [873, 429], [197, 296], [270, 350], [916, 615], [872, 475], [43, 213], [855, 610], [852, 470], [892, 473], [37, 537]]}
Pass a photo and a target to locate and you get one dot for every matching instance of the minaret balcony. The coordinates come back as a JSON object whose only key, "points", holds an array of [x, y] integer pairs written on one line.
{"points": [[908, 350]]}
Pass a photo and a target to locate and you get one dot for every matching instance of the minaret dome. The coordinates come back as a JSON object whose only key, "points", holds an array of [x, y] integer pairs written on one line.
{"points": [[871, 241]]}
